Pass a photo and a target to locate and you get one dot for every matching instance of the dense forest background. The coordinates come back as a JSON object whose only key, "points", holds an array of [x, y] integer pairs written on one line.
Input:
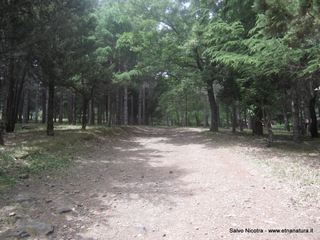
{"points": [[250, 64]]}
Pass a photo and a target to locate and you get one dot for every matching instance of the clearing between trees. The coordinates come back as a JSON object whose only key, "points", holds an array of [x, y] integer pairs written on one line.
{"points": [[158, 183]]}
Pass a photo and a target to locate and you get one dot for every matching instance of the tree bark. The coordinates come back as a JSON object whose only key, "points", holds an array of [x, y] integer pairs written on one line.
{"points": [[61, 106], [186, 111], [313, 118], [295, 117], [206, 117], [100, 113], [37, 104], [132, 110], [125, 106], [234, 117], [25, 106], [108, 110], [50, 124], [44, 105], [74, 109], [144, 114], [240, 120], [2, 127], [85, 103], [269, 128], [257, 127], [213, 108], [286, 119], [70, 107], [16, 85], [140, 107], [227, 116], [92, 112]]}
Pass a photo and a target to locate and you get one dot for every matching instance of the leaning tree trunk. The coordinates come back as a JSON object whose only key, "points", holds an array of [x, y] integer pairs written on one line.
{"points": [[50, 124], [213, 108]]}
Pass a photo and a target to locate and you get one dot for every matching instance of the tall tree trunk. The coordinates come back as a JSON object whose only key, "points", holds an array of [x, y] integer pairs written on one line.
{"points": [[44, 105], [240, 120], [140, 107], [85, 103], [196, 116], [61, 106], [206, 114], [213, 107], [10, 124], [50, 124], [21, 108], [257, 127], [286, 119], [186, 111], [296, 118], [2, 127], [125, 106], [37, 104], [92, 112], [234, 117], [302, 118], [100, 113], [227, 116], [313, 117], [70, 104], [25, 106], [144, 114], [132, 110], [108, 110], [16, 85], [269, 128], [74, 108], [245, 118]]}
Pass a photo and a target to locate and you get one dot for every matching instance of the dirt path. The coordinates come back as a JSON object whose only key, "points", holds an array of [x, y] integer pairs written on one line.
{"points": [[163, 184]]}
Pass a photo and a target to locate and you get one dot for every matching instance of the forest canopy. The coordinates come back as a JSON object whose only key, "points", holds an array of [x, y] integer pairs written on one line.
{"points": [[242, 64]]}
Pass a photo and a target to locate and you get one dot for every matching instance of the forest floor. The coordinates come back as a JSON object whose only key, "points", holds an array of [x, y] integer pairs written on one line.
{"points": [[159, 183]]}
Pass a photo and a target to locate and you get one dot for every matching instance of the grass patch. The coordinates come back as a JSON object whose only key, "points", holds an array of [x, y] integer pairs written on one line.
{"points": [[32, 152]]}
